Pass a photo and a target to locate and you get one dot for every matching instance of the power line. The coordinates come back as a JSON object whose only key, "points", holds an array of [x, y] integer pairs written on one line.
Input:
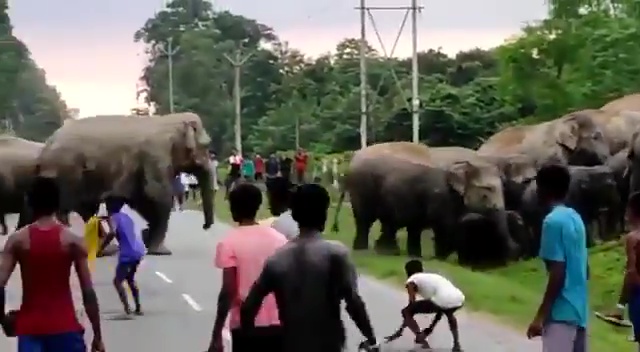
{"points": [[169, 51], [414, 9]]}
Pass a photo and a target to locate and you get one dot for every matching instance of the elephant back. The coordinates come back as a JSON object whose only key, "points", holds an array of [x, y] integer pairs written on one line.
{"points": [[629, 102], [618, 127]]}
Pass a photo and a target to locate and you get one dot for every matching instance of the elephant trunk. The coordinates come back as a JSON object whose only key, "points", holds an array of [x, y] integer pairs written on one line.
{"points": [[205, 181], [509, 249]]}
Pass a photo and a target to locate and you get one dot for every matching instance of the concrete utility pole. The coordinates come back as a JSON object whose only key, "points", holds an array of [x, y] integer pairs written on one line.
{"points": [[414, 106], [170, 50], [238, 61]]}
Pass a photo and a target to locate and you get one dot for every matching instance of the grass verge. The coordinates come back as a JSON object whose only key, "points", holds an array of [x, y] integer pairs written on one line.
{"points": [[510, 295]]}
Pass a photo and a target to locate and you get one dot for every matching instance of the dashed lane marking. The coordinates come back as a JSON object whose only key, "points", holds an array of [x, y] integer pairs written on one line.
{"points": [[164, 277], [192, 302]]}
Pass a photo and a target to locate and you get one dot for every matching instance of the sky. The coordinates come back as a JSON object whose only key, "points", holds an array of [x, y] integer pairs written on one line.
{"points": [[87, 48]]}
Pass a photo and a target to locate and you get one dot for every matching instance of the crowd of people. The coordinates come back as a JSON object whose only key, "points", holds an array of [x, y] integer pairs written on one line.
{"points": [[283, 283]]}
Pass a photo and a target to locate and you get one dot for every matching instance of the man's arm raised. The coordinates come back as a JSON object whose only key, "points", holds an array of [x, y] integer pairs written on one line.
{"points": [[89, 296]]}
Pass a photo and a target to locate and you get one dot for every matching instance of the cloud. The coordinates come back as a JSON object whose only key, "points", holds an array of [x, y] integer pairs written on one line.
{"points": [[87, 49]]}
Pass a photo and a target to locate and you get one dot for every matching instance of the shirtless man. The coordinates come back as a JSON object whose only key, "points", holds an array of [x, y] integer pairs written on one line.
{"points": [[46, 250]]}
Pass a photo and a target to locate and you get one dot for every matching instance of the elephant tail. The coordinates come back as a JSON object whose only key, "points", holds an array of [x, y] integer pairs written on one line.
{"points": [[335, 227]]}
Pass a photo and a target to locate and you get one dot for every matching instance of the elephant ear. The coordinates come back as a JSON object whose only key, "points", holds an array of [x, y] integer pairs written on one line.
{"points": [[458, 175], [568, 134]]}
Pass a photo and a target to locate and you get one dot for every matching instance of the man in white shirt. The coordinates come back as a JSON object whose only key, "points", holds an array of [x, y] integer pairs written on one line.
{"points": [[439, 297], [280, 190]]}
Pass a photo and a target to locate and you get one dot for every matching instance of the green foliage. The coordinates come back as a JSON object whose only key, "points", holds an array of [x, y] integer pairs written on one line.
{"points": [[580, 57], [29, 107]]}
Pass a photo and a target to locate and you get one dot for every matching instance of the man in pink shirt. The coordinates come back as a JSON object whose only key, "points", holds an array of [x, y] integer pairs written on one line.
{"points": [[241, 256]]}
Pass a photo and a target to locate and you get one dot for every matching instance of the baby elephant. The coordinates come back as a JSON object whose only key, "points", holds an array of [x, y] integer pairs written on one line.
{"points": [[592, 192]]}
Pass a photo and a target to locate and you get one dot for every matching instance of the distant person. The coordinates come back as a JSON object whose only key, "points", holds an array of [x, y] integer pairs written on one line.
{"points": [[192, 190], [130, 253], [310, 277], [301, 161], [259, 163], [46, 250], [241, 256], [215, 180], [248, 169], [178, 191], [561, 319], [439, 297], [235, 164], [281, 192], [285, 167]]}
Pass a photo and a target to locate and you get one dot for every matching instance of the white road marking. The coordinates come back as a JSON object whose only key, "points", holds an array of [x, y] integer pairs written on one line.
{"points": [[164, 277], [192, 302]]}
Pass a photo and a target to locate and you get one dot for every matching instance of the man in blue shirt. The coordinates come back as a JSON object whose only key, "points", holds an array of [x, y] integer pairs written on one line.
{"points": [[561, 319]]}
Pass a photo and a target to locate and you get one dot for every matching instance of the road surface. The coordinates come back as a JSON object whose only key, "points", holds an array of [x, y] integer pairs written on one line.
{"points": [[179, 295]]}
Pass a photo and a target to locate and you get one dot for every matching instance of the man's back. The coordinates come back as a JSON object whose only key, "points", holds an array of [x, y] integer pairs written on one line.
{"points": [[308, 274], [45, 258], [131, 247], [564, 240]]}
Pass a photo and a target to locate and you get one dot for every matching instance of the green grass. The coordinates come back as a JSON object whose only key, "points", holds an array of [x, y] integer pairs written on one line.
{"points": [[510, 295]]}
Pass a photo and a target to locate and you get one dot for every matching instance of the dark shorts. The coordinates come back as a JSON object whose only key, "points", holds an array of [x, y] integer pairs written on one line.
{"points": [[127, 270], [425, 306], [67, 342], [193, 187], [263, 338]]}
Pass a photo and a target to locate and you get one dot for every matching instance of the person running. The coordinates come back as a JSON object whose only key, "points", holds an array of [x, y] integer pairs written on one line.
{"points": [[241, 256], [439, 297], [46, 250], [280, 198], [130, 254], [561, 319], [301, 161], [248, 169], [310, 277], [94, 231], [259, 162], [235, 164]]}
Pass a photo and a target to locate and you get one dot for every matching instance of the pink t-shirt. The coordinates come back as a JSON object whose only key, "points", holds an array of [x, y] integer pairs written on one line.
{"points": [[247, 248]]}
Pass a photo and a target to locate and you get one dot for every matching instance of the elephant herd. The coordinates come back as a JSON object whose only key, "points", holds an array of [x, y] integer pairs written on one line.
{"points": [[481, 204], [128, 156]]}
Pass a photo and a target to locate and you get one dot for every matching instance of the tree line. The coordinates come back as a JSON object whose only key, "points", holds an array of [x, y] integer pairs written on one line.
{"points": [[29, 107], [581, 56]]}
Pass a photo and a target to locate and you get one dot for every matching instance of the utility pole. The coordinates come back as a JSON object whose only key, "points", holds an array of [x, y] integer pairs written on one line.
{"points": [[414, 106], [363, 75], [238, 61], [170, 51]]}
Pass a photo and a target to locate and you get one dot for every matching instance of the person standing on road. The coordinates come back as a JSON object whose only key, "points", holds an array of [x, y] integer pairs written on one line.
{"points": [[561, 319], [301, 161], [130, 253], [280, 195], [235, 163], [46, 250], [259, 162], [248, 169], [178, 191], [241, 256], [310, 277]]}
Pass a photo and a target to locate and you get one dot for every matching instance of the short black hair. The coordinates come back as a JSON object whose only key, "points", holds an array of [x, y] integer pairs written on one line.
{"points": [[43, 197], [310, 206], [413, 266], [633, 204], [280, 188], [244, 201], [553, 180]]}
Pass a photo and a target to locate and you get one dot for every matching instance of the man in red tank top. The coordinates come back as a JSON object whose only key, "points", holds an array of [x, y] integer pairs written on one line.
{"points": [[46, 250]]}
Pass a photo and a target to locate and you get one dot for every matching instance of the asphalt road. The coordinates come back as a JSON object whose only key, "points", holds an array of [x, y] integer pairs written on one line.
{"points": [[179, 296]]}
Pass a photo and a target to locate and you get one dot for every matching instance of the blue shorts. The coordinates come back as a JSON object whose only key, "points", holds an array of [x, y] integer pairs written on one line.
{"points": [[127, 270], [634, 310], [67, 342]]}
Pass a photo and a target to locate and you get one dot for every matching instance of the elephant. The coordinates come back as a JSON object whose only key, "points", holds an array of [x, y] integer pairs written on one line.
{"points": [[131, 157], [592, 190], [630, 102], [619, 165], [18, 159], [618, 127], [517, 171], [574, 139], [410, 185]]}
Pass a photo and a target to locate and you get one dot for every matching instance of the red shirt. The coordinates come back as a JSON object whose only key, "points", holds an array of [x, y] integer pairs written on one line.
{"points": [[259, 165], [301, 161], [45, 267]]}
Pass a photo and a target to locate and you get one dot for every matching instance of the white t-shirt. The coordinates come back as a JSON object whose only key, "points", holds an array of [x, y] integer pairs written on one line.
{"points": [[192, 180], [286, 225], [438, 289], [184, 179]]}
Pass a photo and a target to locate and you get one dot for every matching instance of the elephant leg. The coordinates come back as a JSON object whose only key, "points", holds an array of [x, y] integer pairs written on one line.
{"points": [[157, 216], [443, 241], [387, 243], [364, 220], [414, 241]]}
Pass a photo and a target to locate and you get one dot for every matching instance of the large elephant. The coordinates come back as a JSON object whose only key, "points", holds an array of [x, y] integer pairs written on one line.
{"points": [[133, 157], [407, 185], [592, 191], [574, 139], [517, 171], [617, 126], [619, 165], [17, 165]]}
